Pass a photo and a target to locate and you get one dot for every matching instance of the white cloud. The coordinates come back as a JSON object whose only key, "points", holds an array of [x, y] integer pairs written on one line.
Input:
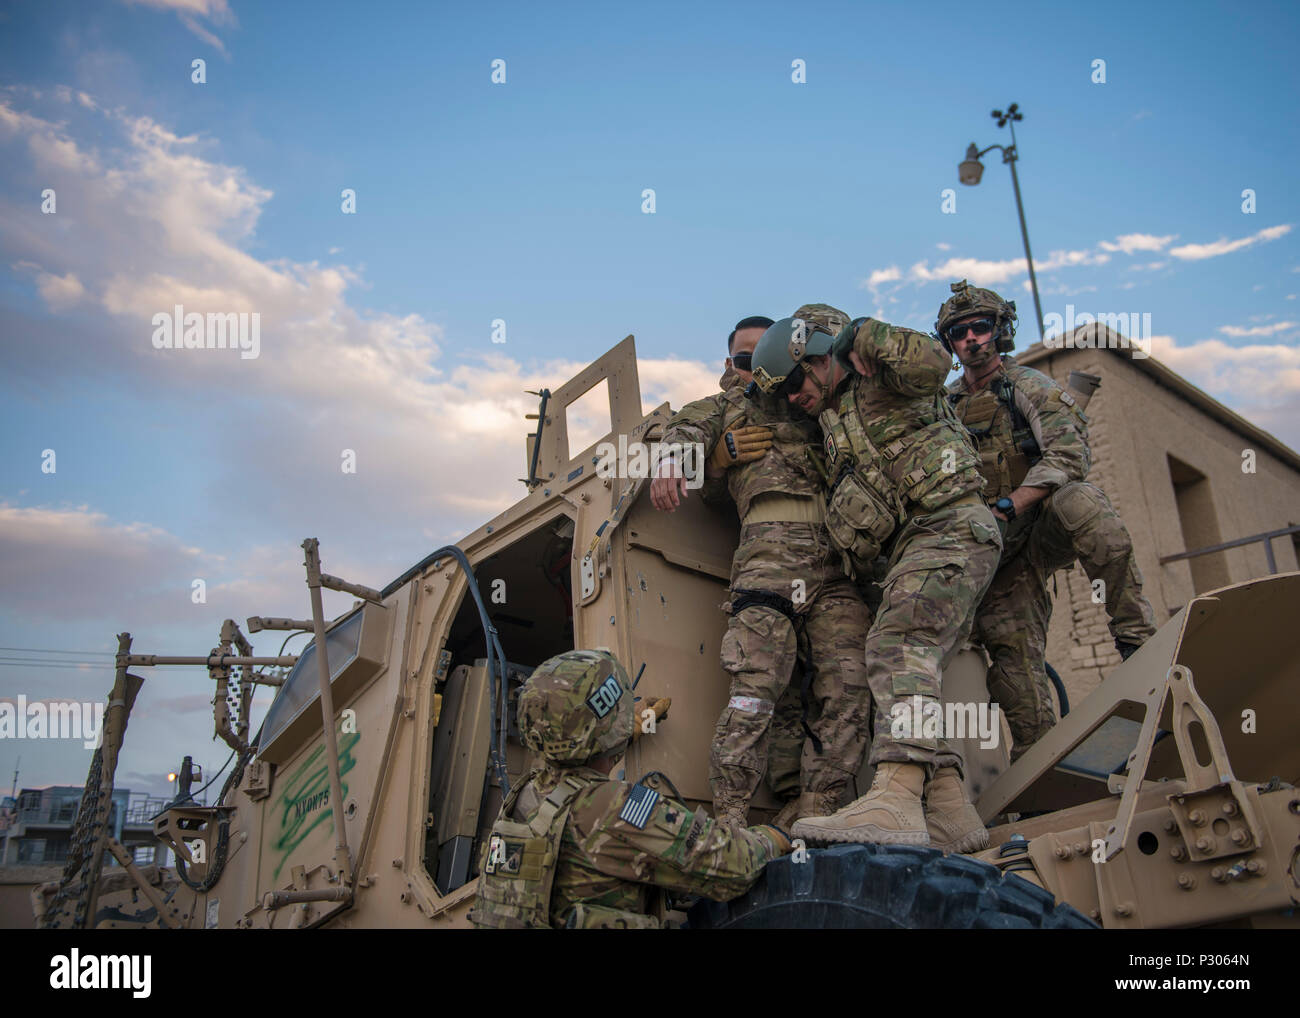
{"points": [[1258, 330], [1222, 246], [888, 275], [59, 291], [48, 143], [1130, 242], [190, 11], [943, 247]]}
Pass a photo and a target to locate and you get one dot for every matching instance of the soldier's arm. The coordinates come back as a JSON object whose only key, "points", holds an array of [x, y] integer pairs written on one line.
{"points": [[1059, 428], [700, 421], [910, 363], [697, 426], [671, 846]]}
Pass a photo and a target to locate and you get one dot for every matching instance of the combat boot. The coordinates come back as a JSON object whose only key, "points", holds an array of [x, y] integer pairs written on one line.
{"points": [[732, 809], [807, 804], [890, 814], [950, 818]]}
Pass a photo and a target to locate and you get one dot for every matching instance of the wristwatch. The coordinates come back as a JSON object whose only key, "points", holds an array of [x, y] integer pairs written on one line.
{"points": [[1006, 507]]}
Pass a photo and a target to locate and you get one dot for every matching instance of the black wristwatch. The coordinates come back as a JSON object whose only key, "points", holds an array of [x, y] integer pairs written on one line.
{"points": [[1006, 507]]}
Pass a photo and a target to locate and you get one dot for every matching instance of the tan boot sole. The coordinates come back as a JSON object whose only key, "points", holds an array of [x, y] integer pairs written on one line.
{"points": [[866, 834]]}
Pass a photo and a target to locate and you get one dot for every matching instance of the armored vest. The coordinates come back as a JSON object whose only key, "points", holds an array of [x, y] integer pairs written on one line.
{"points": [[517, 865], [1002, 436], [883, 470]]}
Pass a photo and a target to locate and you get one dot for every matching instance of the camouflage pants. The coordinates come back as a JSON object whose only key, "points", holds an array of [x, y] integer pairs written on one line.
{"points": [[759, 652], [941, 564], [1076, 523]]}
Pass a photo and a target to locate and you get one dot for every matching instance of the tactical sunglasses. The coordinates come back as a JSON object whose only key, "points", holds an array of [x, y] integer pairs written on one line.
{"points": [[981, 327], [742, 361], [792, 382]]}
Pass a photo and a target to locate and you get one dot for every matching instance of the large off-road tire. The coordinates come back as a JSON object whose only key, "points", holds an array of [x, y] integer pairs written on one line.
{"points": [[887, 887]]}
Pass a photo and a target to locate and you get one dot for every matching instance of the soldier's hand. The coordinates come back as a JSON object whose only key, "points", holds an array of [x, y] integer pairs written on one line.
{"points": [[669, 488], [779, 839], [741, 445]]}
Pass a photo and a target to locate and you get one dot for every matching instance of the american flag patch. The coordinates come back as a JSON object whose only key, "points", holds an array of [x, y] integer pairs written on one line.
{"points": [[640, 803]]}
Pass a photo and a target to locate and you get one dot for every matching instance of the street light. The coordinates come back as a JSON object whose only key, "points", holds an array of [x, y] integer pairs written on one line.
{"points": [[970, 170]]}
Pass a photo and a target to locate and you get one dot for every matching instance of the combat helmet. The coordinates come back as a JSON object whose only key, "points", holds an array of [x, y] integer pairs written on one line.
{"points": [[777, 357], [576, 706], [829, 318], [967, 300]]}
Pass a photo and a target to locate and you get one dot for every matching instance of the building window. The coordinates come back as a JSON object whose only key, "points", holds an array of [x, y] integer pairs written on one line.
{"points": [[1200, 525]]}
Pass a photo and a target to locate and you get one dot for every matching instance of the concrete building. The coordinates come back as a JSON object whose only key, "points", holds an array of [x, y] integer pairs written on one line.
{"points": [[1185, 473], [36, 829]]}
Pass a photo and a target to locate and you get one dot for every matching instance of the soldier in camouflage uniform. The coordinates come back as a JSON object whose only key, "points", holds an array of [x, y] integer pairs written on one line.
{"points": [[575, 848], [903, 480], [1032, 440], [793, 612]]}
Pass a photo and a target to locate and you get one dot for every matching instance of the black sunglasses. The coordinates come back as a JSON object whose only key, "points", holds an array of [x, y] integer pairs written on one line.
{"points": [[793, 382], [981, 327], [742, 361]]}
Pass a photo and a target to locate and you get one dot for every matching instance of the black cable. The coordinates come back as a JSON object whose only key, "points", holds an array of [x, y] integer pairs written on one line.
{"points": [[497, 667]]}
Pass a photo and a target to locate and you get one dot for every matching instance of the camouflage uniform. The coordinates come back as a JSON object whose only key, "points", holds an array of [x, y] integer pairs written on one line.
{"points": [[905, 480], [1021, 407], [608, 867], [573, 847], [783, 539]]}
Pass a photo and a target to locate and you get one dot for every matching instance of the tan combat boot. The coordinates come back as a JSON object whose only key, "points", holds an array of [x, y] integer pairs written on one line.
{"points": [[732, 809], [890, 814], [953, 824], [808, 804]]}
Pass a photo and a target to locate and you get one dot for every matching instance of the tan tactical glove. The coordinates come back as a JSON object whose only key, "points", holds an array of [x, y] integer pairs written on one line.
{"points": [[779, 839], [660, 707], [741, 445]]}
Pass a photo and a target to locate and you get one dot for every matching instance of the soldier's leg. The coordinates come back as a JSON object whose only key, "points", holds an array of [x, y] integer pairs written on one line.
{"points": [[1091, 531], [838, 623], [758, 652], [785, 745], [941, 565], [1011, 623]]}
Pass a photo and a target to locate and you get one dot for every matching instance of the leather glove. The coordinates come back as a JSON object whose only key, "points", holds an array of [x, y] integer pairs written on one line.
{"points": [[741, 445]]}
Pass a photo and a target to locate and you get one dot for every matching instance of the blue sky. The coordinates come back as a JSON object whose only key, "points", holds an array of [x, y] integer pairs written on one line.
{"points": [[522, 201]]}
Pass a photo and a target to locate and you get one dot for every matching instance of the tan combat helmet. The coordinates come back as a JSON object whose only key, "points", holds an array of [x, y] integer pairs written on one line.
{"points": [[967, 300]]}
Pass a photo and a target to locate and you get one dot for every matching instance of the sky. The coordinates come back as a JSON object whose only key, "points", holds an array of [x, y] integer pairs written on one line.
{"points": [[500, 235]]}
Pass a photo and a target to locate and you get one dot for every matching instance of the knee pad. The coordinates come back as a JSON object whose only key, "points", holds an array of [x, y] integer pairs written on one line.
{"points": [[1076, 505]]}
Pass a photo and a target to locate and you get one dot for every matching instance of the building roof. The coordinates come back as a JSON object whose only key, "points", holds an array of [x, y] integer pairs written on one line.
{"points": [[1085, 338]]}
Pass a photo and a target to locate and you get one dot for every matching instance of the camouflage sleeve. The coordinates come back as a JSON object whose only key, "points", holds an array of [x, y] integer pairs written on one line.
{"points": [[913, 364], [639, 833], [700, 421], [1060, 429]]}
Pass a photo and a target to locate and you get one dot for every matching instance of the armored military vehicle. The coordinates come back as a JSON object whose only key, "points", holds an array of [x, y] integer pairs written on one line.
{"points": [[1165, 799]]}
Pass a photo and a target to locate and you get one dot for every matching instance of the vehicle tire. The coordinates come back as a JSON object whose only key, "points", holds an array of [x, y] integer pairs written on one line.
{"points": [[887, 887]]}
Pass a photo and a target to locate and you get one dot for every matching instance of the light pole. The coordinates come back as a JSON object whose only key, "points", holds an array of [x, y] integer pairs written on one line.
{"points": [[971, 169]]}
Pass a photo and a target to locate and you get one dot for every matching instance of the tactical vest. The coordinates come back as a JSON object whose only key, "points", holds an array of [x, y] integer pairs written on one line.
{"points": [[517, 865], [880, 477], [1002, 436]]}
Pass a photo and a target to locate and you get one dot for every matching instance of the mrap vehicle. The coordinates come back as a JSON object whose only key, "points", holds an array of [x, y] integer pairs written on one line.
{"points": [[380, 766]]}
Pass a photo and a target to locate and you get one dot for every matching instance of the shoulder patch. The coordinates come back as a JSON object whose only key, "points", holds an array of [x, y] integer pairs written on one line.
{"points": [[1066, 398], [639, 805], [830, 445]]}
